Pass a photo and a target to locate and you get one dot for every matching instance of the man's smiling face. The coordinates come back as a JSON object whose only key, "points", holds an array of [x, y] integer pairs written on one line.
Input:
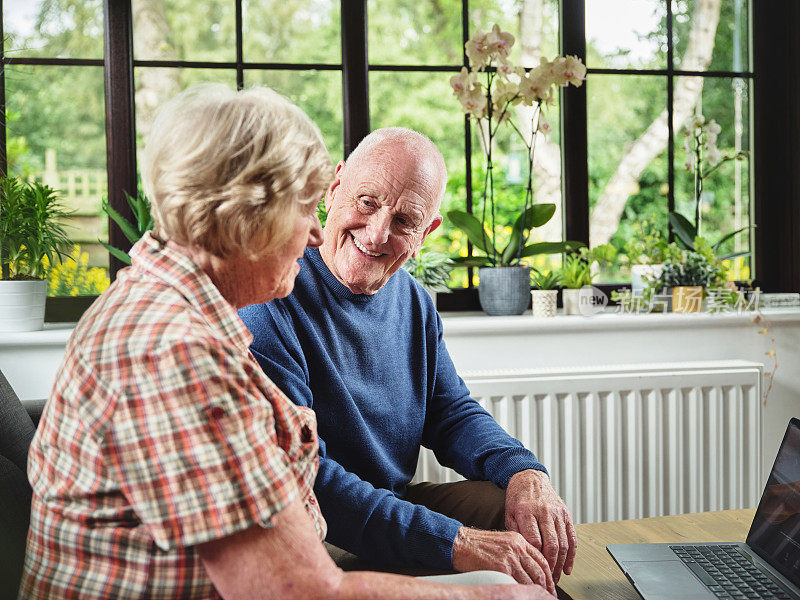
{"points": [[379, 213]]}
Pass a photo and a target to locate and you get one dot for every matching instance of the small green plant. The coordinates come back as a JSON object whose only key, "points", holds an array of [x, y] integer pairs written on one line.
{"points": [[576, 270], [140, 206], [431, 269], [30, 231], [694, 270], [545, 280], [517, 247], [648, 246]]}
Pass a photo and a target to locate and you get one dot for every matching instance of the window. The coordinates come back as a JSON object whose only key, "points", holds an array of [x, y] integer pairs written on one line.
{"points": [[615, 156], [55, 124], [694, 55]]}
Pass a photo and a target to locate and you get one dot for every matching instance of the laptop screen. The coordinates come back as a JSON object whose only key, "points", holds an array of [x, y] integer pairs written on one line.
{"points": [[775, 532]]}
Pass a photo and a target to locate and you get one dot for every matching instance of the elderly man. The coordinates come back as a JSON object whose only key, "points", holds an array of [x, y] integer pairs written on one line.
{"points": [[360, 342]]}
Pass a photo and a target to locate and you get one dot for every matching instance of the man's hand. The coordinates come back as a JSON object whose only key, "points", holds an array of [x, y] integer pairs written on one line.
{"points": [[504, 551], [534, 509]]}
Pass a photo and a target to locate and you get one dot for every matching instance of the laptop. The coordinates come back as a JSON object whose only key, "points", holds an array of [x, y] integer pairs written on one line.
{"points": [[765, 566]]}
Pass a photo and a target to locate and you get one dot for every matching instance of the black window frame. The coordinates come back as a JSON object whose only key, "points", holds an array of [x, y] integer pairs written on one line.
{"points": [[774, 106]]}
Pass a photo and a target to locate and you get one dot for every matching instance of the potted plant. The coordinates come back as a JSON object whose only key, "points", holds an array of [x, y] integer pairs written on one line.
{"points": [[432, 270], [646, 250], [140, 206], [576, 272], [504, 285], [487, 92], [30, 232], [544, 295], [687, 279]]}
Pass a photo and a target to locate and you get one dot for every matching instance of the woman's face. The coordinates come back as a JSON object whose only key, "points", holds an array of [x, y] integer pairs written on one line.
{"points": [[272, 276]]}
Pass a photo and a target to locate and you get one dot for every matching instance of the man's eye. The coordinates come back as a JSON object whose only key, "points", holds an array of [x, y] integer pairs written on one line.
{"points": [[367, 202], [403, 221]]}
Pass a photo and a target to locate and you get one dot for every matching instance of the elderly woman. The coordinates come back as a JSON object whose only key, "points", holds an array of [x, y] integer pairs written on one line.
{"points": [[166, 464]]}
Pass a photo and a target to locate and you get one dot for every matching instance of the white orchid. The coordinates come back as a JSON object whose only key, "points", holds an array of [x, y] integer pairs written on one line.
{"points": [[478, 50], [474, 102], [463, 82], [492, 85], [574, 71], [499, 42], [702, 154], [544, 125]]}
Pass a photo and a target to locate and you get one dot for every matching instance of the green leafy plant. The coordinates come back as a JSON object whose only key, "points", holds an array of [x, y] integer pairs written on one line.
{"points": [[576, 270], [431, 269], [694, 270], [517, 246], [647, 246], [686, 233], [140, 206], [545, 280], [30, 230]]}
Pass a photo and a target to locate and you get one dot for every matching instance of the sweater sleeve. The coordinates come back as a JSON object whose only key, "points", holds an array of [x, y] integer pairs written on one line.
{"points": [[371, 523], [463, 435]]}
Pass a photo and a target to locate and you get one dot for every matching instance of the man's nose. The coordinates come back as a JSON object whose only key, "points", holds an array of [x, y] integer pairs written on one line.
{"points": [[378, 228], [315, 233]]}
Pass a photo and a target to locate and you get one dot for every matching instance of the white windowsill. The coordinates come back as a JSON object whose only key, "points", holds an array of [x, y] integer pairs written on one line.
{"points": [[477, 323]]}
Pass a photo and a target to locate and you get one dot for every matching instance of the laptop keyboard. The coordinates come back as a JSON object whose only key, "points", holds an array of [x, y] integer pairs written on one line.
{"points": [[728, 574]]}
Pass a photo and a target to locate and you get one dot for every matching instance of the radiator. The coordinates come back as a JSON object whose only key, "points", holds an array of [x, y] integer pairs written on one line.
{"points": [[632, 441]]}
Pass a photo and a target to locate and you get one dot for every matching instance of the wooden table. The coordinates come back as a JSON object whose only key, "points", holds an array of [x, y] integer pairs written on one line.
{"points": [[597, 577]]}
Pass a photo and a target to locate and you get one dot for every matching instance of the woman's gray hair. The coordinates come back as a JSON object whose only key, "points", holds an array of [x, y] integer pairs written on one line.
{"points": [[228, 171]]}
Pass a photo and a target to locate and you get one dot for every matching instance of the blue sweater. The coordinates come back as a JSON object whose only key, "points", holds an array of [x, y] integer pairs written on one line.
{"points": [[376, 372]]}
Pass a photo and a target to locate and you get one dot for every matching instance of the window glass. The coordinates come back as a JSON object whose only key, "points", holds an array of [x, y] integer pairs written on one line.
{"points": [[414, 33], [711, 35], [621, 34], [725, 196], [53, 28], [627, 135], [300, 31], [184, 30], [56, 135], [318, 93]]}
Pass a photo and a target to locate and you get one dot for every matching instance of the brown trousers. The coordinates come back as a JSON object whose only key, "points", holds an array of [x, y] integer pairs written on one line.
{"points": [[479, 504]]}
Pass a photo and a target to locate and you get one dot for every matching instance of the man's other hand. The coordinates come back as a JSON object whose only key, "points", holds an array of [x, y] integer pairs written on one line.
{"points": [[504, 551], [534, 509]]}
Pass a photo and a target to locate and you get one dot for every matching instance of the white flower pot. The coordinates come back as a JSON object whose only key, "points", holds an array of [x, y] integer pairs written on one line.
{"points": [[544, 303], [640, 272], [570, 298], [22, 305]]}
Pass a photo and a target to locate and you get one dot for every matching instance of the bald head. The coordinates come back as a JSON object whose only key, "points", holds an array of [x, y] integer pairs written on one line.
{"points": [[417, 150]]}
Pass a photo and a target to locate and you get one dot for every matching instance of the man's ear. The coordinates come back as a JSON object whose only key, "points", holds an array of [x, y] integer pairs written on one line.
{"points": [[437, 220], [337, 179]]}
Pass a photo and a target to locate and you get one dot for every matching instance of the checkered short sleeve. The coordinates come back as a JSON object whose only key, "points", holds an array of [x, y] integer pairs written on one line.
{"points": [[203, 449]]}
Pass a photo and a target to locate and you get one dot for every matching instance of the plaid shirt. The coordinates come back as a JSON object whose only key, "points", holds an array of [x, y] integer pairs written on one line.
{"points": [[162, 432]]}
